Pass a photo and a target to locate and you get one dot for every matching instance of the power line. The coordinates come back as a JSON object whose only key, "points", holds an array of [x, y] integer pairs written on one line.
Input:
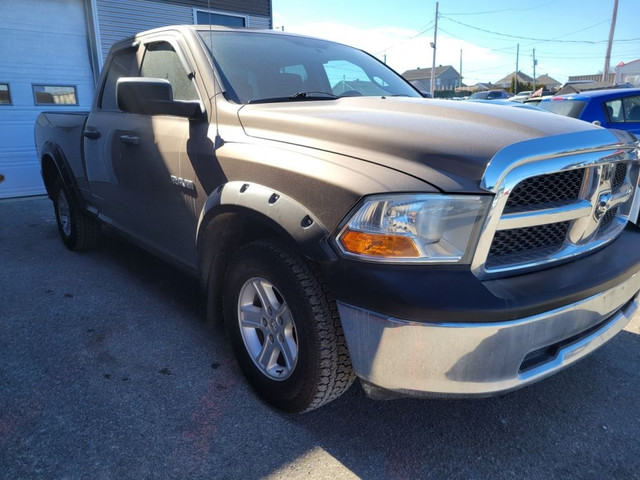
{"points": [[546, 40], [426, 29], [503, 10]]}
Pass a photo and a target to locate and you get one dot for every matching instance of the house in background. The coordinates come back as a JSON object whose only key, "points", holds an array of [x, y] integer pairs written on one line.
{"points": [[547, 82], [505, 82], [628, 73], [53, 51], [446, 78]]}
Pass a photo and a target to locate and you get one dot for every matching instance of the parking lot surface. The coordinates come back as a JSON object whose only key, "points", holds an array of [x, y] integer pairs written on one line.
{"points": [[108, 370]]}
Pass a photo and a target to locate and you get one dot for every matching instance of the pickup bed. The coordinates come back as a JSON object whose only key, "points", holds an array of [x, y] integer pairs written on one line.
{"points": [[342, 225]]}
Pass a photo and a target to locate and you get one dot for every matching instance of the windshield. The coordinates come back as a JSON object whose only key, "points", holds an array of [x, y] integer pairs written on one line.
{"points": [[260, 67]]}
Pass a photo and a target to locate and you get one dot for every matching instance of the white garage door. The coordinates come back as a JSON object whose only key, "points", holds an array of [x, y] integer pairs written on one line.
{"points": [[44, 65]]}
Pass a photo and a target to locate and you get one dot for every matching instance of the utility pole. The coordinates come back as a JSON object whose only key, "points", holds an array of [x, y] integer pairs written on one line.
{"points": [[515, 87], [607, 58], [433, 64], [535, 62]]}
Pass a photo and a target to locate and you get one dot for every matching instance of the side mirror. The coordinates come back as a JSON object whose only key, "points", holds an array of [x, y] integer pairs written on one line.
{"points": [[152, 96]]}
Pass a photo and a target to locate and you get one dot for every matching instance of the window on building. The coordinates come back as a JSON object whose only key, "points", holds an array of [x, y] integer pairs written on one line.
{"points": [[55, 95], [123, 64], [5, 94], [162, 61], [215, 18]]}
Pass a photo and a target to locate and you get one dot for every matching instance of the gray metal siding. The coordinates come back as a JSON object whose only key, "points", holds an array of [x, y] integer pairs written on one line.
{"points": [[260, 8], [119, 19]]}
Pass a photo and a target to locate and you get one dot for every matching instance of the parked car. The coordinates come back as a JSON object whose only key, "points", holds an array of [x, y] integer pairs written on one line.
{"points": [[534, 101], [489, 95], [612, 108], [428, 248], [507, 103], [521, 96]]}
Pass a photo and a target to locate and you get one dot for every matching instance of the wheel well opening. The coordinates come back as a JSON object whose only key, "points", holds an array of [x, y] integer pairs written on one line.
{"points": [[221, 238], [49, 172]]}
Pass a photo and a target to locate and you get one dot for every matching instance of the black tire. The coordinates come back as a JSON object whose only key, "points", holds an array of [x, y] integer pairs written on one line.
{"points": [[78, 229], [309, 364]]}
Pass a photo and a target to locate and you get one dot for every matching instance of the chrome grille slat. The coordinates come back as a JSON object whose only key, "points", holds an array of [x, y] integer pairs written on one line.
{"points": [[549, 214]]}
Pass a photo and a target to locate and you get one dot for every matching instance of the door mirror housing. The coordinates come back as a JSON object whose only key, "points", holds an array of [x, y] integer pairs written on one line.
{"points": [[153, 96]]}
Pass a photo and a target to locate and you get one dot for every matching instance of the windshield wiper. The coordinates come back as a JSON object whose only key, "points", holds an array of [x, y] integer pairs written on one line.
{"points": [[300, 96], [312, 96]]}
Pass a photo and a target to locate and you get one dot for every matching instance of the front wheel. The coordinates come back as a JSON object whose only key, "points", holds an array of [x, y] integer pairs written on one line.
{"points": [[78, 230], [284, 329]]}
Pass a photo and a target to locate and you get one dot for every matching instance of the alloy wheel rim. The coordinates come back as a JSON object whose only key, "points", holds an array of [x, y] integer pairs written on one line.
{"points": [[267, 328], [64, 214]]}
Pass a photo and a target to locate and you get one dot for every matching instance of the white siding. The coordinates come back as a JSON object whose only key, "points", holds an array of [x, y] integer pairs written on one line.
{"points": [[37, 50]]}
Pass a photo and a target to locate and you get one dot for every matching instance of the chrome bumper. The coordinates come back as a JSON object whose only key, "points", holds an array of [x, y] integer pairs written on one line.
{"points": [[481, 359]]}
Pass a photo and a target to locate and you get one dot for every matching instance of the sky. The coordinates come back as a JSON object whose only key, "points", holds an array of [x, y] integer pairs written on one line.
{"points": [[569, 36]]}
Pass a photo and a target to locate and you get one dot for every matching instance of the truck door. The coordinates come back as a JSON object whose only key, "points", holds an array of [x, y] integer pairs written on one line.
{"points": [[100, 139], [155, 187]]}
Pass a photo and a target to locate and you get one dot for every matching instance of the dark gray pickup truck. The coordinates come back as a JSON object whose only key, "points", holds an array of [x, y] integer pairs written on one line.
{"points": [[344, 226]]}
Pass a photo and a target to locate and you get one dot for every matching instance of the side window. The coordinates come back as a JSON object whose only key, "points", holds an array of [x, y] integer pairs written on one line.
{"points": [[123, 64], [631, 109], [162, 61], [624, 109], [614, 111]]}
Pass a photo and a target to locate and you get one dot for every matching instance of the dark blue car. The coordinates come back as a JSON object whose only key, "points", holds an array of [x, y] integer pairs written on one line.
{"points": [[613, 108]]}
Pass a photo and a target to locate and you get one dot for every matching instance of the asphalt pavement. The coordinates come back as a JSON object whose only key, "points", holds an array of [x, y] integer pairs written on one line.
{"points": [[108, 371]]}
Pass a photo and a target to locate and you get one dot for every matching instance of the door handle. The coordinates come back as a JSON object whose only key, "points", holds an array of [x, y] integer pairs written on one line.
{"points": [[91, 134], [130, 139]]}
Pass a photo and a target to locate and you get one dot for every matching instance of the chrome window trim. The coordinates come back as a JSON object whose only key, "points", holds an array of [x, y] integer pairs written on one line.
{"points": [[592, 150]]}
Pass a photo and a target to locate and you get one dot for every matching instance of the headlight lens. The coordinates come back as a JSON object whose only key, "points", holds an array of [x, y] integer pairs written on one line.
{"points": [[424, 228]]}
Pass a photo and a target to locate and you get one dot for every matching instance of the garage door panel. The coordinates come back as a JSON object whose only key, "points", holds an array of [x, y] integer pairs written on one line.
{"points": [[44, 43]]}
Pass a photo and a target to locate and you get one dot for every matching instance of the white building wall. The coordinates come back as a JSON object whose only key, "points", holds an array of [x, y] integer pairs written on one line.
{"points": [[43, 42]]}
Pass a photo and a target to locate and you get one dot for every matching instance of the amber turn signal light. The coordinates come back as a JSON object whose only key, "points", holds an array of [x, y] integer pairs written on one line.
{"points": [[378, 245]]}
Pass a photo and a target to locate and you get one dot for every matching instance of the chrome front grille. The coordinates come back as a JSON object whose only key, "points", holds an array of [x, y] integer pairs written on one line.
{"points": [[545, 189], [522, 245], [549, 208]]}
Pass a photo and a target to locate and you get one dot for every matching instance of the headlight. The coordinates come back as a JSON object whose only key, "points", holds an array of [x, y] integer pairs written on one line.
{"points": [[422, 228]]}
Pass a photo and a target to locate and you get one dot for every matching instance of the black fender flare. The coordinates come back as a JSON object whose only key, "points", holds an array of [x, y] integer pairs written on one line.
{"points": [[61, 164], [277, 210]]}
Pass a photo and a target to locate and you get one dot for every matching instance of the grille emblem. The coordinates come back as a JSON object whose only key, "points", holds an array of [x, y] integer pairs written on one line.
{"points": [[603, 205]]}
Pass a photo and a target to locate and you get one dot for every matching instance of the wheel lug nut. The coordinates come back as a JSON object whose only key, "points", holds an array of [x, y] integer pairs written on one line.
{"points": [[280, 321], [280, 337], [271, 338], [269, 311], [264, 322]]}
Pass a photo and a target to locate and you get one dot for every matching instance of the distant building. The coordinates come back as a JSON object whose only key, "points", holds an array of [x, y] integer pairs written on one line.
{"points": [[479, 87], [628, 72], [446, 78], [547, 82], [506, 81], [597, 77]]}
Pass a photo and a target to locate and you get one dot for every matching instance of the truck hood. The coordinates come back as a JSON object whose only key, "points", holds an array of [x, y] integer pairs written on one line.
{"points": [[445, 143]]}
